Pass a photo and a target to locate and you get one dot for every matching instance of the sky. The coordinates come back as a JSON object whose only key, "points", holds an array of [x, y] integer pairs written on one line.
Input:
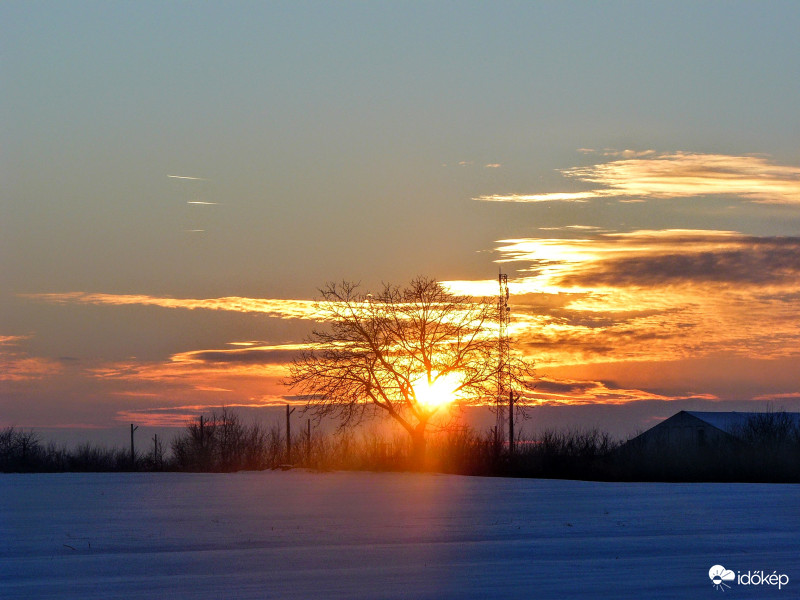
{"points": [[179, 180]]}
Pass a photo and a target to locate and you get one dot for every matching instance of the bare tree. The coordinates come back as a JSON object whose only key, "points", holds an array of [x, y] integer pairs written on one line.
{"points": [[399, 351], [222, 442]]}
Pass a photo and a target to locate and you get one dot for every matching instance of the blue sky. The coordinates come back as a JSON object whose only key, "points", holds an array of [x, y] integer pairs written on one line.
{"points": [[351, 140]]}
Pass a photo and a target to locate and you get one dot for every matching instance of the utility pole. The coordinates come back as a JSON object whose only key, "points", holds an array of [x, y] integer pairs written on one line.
{"points": [[288, 435], [156, 453], [511, 421], [133, 453], [308, 441]]}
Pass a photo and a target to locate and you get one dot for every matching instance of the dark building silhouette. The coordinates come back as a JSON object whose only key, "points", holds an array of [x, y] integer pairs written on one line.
{"points": [[689, 431]]}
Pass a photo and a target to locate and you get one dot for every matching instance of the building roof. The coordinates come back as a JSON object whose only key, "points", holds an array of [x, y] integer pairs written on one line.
{"points": [[732, 422]]}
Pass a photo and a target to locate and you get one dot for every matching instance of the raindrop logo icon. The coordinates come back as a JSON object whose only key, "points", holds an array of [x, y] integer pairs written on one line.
{"points": [[719, 575]]}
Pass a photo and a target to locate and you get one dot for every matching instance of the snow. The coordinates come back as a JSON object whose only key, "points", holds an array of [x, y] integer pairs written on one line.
{"points": [[386, 535]]}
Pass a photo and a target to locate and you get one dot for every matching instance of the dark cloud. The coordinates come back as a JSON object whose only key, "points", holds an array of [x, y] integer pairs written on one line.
{"points": [[745, 260], [550, 386], [302, 397], [248, 356]]}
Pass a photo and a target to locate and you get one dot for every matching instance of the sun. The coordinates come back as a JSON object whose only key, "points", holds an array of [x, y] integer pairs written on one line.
{"points": [[440, 392]]}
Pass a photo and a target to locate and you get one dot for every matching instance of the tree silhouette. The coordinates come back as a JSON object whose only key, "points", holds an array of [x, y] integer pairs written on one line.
{"points": [[381, 352]]}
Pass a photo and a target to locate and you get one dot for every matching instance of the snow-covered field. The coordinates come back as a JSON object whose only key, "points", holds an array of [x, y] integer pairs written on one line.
{"points": [[387, 535]]}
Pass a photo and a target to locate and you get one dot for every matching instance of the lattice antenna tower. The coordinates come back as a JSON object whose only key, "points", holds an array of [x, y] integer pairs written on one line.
{"points": [[503, 375]]}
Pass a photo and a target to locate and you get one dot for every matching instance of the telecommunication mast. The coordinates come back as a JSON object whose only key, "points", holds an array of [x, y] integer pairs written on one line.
{"points": [[504, 391]]}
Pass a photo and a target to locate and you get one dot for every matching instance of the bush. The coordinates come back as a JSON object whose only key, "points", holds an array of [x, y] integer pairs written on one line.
{"points": [[223, 443], [20, 450], [766, 448]]}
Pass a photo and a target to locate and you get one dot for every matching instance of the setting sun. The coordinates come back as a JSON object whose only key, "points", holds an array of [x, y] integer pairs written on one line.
{"points": [[441, 391]]}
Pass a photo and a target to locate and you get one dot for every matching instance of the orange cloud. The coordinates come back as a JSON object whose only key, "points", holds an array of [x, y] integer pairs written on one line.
{"points": [[244, 376], [778, 397], [186, 370], [180, 415], [18, 366]]}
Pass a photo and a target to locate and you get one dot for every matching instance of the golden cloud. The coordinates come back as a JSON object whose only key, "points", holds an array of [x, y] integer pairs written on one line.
{"points": [[646, 175], [277, 308], [547, 197], [651, 295]]}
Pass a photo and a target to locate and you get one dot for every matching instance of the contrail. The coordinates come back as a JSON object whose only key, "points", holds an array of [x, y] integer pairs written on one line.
{"points": [[199, 202], [185, 177], [194, 230]]}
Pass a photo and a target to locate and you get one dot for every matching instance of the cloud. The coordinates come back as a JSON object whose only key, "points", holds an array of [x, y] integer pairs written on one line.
{"points": [[569, 227], [24, 368], [654, 257], [649, 175], [271, 307], [548, 197], [272, 355], [179, 416], [277, 308], [653, 295], [651, 260], [627, 153], [16, 365], [176, 382], [187, 177], [239, 373], [686, 175], [569, 391], [190, 370], [147, 418], [778, 397]]}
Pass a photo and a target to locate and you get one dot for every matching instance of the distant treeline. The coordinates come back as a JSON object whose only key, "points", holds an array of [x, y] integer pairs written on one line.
{"points": [[767, 449]]}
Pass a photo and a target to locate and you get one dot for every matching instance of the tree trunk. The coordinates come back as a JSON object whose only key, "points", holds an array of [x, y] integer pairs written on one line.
{"points": [[418, 447]]}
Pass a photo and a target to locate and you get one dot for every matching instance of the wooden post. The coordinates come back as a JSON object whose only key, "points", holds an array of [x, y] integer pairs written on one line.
{"points": [[308, 440], [288, 435], [133, 453], [156, 454], [511, 422]]}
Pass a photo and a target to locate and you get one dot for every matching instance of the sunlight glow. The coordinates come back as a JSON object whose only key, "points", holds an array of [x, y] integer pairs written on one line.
{"points": [[441, 391]]}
